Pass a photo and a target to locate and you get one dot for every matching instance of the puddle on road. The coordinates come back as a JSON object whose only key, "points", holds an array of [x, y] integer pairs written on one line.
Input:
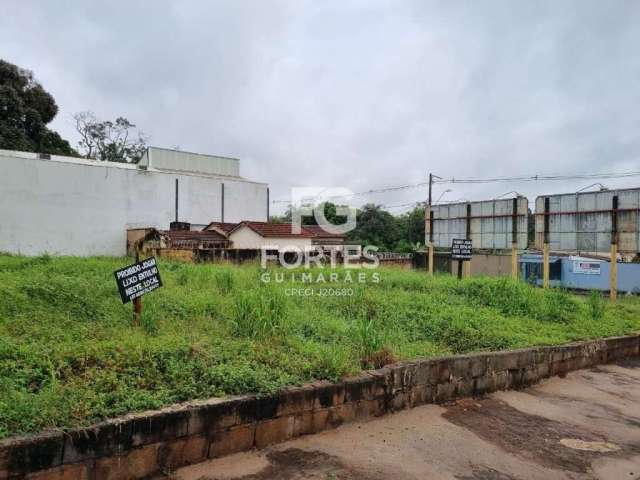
{"points": [[577, 444], [297, 464], [529, 436], [485, 473]]}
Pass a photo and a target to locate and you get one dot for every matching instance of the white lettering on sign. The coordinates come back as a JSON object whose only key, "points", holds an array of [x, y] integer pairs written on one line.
{"points": [[461, 249], [586, 268], [138, 279]]}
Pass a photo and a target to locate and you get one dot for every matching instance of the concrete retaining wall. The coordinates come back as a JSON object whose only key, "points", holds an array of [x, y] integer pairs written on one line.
{"points": [[139, 445]]}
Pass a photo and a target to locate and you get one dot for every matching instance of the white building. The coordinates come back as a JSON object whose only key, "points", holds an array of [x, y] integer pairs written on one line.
{"points": [[257, 235], [70, 206]]}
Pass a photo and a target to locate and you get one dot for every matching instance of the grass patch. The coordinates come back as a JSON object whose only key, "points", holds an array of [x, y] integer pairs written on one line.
{"points": [[70, 356]]}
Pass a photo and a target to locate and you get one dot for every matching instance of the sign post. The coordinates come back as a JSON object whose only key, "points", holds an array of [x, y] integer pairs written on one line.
{"points": [[467, 264], [545, 246], [461, 251], [137, 302], [514, 239], [136, 280], [613, 273]]}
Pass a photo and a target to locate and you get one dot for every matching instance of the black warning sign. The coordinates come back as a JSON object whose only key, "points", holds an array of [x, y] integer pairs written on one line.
{"points": [[138, 279], [460, 249]]}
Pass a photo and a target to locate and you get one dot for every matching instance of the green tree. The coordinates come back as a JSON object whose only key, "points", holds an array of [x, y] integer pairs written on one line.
{"points": [[330, 213], [376, 227], [411, 228], [117, 141], [25, 110]]}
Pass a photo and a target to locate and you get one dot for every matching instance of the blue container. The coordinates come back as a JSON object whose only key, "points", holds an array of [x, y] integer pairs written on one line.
{"points": [[580, 273], [585, 273]]}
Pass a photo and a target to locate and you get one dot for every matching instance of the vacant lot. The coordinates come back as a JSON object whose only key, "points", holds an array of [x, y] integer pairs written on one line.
{"points": [[69, 354]]}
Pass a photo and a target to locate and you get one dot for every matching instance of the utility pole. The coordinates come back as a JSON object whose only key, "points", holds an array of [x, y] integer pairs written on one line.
{"points": [[613, 273], [514, 239], [545, 246], [428, 228], [467, 264]]}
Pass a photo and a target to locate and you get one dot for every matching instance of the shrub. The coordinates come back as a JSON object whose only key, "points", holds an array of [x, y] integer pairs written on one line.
{"points": [[595, 305], [370, 336], [371, 340], [556, 305], [259, 313], [516, 298], [70, 356], [224, 281]]}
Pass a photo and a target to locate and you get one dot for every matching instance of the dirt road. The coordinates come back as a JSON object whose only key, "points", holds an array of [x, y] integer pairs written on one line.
{"points": [[585, 426]]}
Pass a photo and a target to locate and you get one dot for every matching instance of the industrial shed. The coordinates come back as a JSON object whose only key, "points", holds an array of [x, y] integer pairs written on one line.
{"points": [[74, 206], [183, 244]]}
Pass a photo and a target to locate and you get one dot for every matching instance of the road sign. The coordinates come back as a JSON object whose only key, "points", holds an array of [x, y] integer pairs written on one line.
{"points": [[460, 249], [138, 279]]}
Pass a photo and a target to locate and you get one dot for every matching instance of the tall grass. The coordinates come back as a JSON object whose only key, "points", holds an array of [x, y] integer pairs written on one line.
{"points": [[595, 305], [70, 355], [259, 313]]}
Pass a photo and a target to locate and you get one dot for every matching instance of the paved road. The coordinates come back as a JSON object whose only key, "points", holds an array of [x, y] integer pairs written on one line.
{"points": [[586, 426]]}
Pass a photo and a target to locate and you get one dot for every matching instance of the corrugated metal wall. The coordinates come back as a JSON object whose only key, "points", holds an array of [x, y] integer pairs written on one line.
{"points": [[581, 222], [164, 159], [491, 223]]}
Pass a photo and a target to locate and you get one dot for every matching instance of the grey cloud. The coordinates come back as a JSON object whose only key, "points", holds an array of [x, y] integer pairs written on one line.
{"points": [[358, 94]]}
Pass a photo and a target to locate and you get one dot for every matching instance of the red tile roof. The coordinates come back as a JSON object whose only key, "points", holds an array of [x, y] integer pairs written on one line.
{"points": [[274, 229], [318, 231], [200, 236], [265, 229], [223, 226]]}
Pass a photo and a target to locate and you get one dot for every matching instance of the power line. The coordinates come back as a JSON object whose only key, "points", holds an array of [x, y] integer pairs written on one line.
{"points": [[478, 180], [542, 178], [368, 192]]}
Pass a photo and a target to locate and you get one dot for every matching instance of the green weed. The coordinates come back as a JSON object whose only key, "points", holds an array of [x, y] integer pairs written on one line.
{"points": [[259, 313], [70, 354], [224, 281], [595, 305]]}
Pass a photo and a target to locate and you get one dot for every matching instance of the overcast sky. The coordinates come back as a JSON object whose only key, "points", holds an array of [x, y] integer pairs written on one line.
{"points": [[356, 94]]}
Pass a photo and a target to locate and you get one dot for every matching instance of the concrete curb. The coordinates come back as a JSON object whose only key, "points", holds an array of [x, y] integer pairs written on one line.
{"points": [[138, 445]]}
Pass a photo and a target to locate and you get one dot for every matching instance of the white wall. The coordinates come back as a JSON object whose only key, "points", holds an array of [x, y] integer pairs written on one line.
{"points": [[79, 207], [245, 238]]}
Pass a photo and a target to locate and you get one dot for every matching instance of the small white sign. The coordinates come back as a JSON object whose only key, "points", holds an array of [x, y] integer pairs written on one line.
{"points": [[586, 268]]}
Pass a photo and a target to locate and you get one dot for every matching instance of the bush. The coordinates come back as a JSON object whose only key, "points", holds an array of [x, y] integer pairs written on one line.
{"points": [[370, 336], [224, 281], [70, 356], [259, 313], [516, 298], [595, 305]]}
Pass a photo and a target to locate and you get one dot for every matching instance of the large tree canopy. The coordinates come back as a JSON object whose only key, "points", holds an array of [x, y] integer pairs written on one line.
{"points": [[392, 233], [375, 226], [25, 110]]}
